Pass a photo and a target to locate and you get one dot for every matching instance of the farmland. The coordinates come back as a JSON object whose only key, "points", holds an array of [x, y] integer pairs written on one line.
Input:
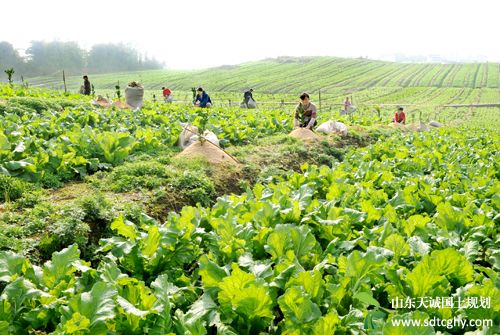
{"points": [[287, 74], [423, 88], [105, 230]]}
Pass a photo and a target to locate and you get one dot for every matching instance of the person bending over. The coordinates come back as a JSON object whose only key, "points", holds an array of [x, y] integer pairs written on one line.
{"points": [[202, 99], [167, 94], [399, 116]]}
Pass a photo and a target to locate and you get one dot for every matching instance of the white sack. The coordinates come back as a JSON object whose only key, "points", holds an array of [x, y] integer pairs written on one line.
{"points": [[189, 135], [331, 126], [251, 104], [435, 124], [134, 96]]}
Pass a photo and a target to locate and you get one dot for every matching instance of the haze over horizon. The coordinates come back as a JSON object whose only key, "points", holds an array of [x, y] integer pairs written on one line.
{"points": [[199, 34]]}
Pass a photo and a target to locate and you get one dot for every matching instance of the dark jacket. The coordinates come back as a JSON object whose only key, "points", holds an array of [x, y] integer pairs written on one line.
{"points": [[247, 96], [86, 87], [204, 99]]}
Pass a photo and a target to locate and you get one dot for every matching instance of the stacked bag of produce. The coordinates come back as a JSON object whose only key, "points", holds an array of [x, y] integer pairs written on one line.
{"points": [[134, 94]]}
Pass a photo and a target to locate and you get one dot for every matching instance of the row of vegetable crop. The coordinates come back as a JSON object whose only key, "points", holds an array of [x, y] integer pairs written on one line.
{"points": [[47, 135], [367, 95], [42, 137], [327, 251]]}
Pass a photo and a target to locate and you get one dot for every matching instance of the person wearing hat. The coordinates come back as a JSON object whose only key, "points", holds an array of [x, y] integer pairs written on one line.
{"points": [[202, 99], [399, 116]]}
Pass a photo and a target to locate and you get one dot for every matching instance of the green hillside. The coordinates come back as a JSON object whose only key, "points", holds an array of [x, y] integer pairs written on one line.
{"points": [[288, 74], [420, 87]]}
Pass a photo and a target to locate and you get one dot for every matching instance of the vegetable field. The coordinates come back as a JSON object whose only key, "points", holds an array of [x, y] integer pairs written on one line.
{"points": [[104, 230], [424, 89], [323, 252], [286, 74], [71, 143]]}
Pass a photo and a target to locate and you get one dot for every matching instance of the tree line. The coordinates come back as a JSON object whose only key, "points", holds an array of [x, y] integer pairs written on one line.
{"points": [[46, 58]]}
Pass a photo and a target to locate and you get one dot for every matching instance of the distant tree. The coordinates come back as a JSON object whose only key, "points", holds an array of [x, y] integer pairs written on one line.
{"points": [[111, 58], [151, 64], [118, 57], [49, 57], [10, 58]]}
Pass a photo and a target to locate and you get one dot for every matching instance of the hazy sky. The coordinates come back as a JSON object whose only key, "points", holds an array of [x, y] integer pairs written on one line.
{"points": [[196, 34]]}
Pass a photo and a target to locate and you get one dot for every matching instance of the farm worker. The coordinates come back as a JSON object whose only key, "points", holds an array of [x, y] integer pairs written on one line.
{"points": [[86, 85], [347, 104], [305, 113], [248, 95], [399, 116], [167, 94], [248, 99], [202, 99]]}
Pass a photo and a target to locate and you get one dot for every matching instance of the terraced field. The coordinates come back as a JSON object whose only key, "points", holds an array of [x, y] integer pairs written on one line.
{"points": [[422, 88], [286, 74], [106, 229]]}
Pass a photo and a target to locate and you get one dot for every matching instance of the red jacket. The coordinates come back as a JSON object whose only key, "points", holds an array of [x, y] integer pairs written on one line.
{"points": [[400, 118], [166, 92]]}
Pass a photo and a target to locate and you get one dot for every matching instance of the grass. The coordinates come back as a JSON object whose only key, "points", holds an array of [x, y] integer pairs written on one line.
{"points": [[12, 188], [156, 183]]}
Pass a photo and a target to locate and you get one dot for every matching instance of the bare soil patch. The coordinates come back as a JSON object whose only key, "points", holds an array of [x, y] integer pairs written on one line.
{"points": [[209, 152], [304, 134]]}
